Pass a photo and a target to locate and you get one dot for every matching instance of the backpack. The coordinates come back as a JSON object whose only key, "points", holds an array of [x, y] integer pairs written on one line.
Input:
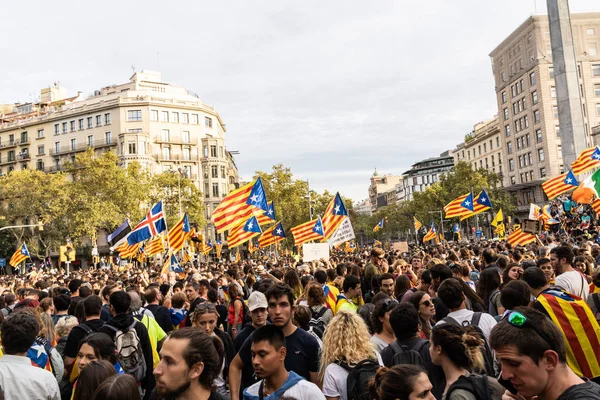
{"points": [[129, 351], [596, 299], [489, 361], [403, 355], [316, 323], [8, 310], [476, 384], [492, 310], [357, 383]]}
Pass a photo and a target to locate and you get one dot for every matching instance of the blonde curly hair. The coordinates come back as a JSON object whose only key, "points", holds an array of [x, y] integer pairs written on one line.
{"points": [[346, 339]]}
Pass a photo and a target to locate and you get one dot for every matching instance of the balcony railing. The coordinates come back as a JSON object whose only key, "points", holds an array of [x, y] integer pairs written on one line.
{"points": [[98, 144], [173, 140], [8, 161], [176, 157]]}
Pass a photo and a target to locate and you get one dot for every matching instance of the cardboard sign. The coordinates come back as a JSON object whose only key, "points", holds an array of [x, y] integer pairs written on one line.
{"points": [[400, 246], [315, 251], [343, 233]]}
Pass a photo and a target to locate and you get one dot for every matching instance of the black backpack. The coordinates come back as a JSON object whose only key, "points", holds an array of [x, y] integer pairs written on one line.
{"points": [[357, 384], [476, 384], [489, 361], [596, 299], [317, 323], [403, 355]]}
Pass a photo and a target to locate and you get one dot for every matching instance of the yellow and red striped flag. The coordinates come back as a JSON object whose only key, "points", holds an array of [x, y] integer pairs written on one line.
{"points": [[251, 247], [239, 205], [311, 230], [243, 232], [460, 206], [19, 256], [518, 237], [218, 248], [266, 217], [127, 251], [588, 159], [481, 203], [430, 235], [178, 234], [154, 246], [237, 257], [417, 223], [596, 206], [272, 235], [334, 216], [560, 184]]}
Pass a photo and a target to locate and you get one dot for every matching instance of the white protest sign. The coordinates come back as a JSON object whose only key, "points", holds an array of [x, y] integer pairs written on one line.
{"points": [[315, 251], [343, 233]]}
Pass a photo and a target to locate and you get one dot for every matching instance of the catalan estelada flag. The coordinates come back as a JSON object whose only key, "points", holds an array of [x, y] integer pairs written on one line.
{"points": [[178, 234], [460, 206], [311, 230], [243, 232], [379, 225], [376, 243], [19, 256], [251, 247], [417, 224], [560, 184], [518, 237], [154, 246], [430, 234], [482, 203], [268, 216], [331, 295], [333, 217], [127, 251], [218, 248], [239, 205], [588, 159], [272, 235], [578, 324], [171, 264]]}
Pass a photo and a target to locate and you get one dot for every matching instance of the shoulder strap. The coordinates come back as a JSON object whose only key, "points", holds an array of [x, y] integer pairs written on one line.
{"points": [[450, 320], [112, 328], [475, 319], [260, 390], [396, 347], [596, 298], [322, 312], [85, 328]]}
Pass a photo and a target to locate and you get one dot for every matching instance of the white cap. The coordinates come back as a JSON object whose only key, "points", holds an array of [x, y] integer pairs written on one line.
{"points": [[257, 300]]}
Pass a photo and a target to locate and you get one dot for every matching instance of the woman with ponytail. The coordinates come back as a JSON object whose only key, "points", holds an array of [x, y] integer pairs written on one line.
{"points": [[401, 382], [457, 350]]}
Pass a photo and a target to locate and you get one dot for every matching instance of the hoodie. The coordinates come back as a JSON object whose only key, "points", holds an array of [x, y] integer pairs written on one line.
{"points": [[122, 322]]}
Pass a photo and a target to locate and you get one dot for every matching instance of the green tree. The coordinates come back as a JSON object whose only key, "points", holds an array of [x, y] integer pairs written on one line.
{"points": [[166, 186]]}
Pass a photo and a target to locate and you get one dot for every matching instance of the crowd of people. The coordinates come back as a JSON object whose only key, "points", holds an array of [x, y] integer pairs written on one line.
{"points": [[454, 321]]}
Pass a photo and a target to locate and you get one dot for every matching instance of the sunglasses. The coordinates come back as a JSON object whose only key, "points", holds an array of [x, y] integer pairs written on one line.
{"points": [[518, 320], [390, 302], [426, 303], [206, 306]]}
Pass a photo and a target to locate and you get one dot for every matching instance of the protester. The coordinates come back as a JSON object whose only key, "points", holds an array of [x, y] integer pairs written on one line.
{"points": [[422, 302], [161, 314], [257, 306], [380, 321], [401, 382], [118, 387], [351, 291], [91, 377], [567, 277]]}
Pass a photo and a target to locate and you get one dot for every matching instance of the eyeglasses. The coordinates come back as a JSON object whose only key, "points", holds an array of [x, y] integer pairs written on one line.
{"points": [[426, 303], [518, 320], [206, 306]]}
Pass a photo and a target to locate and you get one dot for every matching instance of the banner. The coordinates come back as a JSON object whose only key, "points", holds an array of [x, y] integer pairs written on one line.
{"points": [[344, 233], [315, 251]]}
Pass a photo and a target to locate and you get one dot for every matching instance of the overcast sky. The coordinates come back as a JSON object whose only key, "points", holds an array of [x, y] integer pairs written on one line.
{"points": [[331, 89]]}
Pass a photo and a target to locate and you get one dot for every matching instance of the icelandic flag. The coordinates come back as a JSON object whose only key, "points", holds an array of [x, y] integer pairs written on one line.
{"points": [[153, 223]]}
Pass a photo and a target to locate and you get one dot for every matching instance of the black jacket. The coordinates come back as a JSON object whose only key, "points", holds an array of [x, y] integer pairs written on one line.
{"points": [[123, 321], [162, 316], [229, 351]]}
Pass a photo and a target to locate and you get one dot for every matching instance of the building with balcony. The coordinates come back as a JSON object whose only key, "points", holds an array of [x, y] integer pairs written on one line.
{"points": [[162, 126], [380, 185], [422, 175], [482, 147]]}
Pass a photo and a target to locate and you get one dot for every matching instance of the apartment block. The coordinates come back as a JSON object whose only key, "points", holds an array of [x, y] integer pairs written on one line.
{"points": [[423, 174], [482, 147]]}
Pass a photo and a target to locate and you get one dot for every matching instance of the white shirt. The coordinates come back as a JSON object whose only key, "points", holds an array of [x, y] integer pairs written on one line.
{"points": [[303, 390], [335, 380], [574, 283], [486, 323], [21, 380]]}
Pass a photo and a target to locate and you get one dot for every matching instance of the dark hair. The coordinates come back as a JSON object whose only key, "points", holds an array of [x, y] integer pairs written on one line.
{"points": [[271, 334], [402, 286], [489, 280], [341, 269], [365, 311], [331, 274], [441, 271], [120, 301], [426, 277], [84, 291], [117, 387], [404, 320], [526, 339], [321, 276], [18, 332], [385, 276], [150, 295], [394, 383], [61, 302], [315, 295], [381, 307], [264, 285], [92, 305], [200, 348], [212, 295], [505, 277], [302, 316], [415, 300], [350, 282], [489, 256], [515, 294], [279, 290], [541, 262], [535, 278], [107, 289], [91, 377], [74, 285], [461, 344], [451, 293], [563, 252], [194, 285], [103, 345]]}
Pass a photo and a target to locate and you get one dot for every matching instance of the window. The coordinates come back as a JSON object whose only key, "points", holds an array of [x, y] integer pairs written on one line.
{"points": [[542, 172], [215, 190], [598, 109], [590, 31], [107, 119], [206, 190], [41, 150], [165, 135], [536, 116], [40, 133], [541, 155], [551, 72], [99, 119], [185, 118], [164, 116], [507, 130], [205, 153], [166, 153], [221, 154], [519, 143], [504, 97], [538, 135], [194, 119], [208, 122], [553, 92], [57, 147], [185, 136], [506, 114], [513, 181], [73, 144], [56, 129], [90, 122], [479, 148], [153, 115], [223, 175], [595, 69], [214, 171], [175, 117], [497, 141], [532, 80], [80, 124], [527, 140], [213, 151], [534, 98], [64, 127], [143, 149], [187, 154], [134, 115], [223, 189], [132, 148], [520, 161], [525, 122], [40, 165], [557, 130], [72, 126], [509, 147], [555, 111], [108, 137]]}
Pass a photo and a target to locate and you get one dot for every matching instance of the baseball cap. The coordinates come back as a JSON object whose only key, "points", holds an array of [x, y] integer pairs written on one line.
{"points": [[257, 300]]}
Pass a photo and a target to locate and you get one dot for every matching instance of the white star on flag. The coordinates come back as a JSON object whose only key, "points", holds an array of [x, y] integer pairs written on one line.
{"points": [[317, 228], [466, 203], [337, 208], [278, 231], [270, 212], [596, 156], [254, 198], [250, 225], [39, 349], [568, 180], [483, 200]]}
